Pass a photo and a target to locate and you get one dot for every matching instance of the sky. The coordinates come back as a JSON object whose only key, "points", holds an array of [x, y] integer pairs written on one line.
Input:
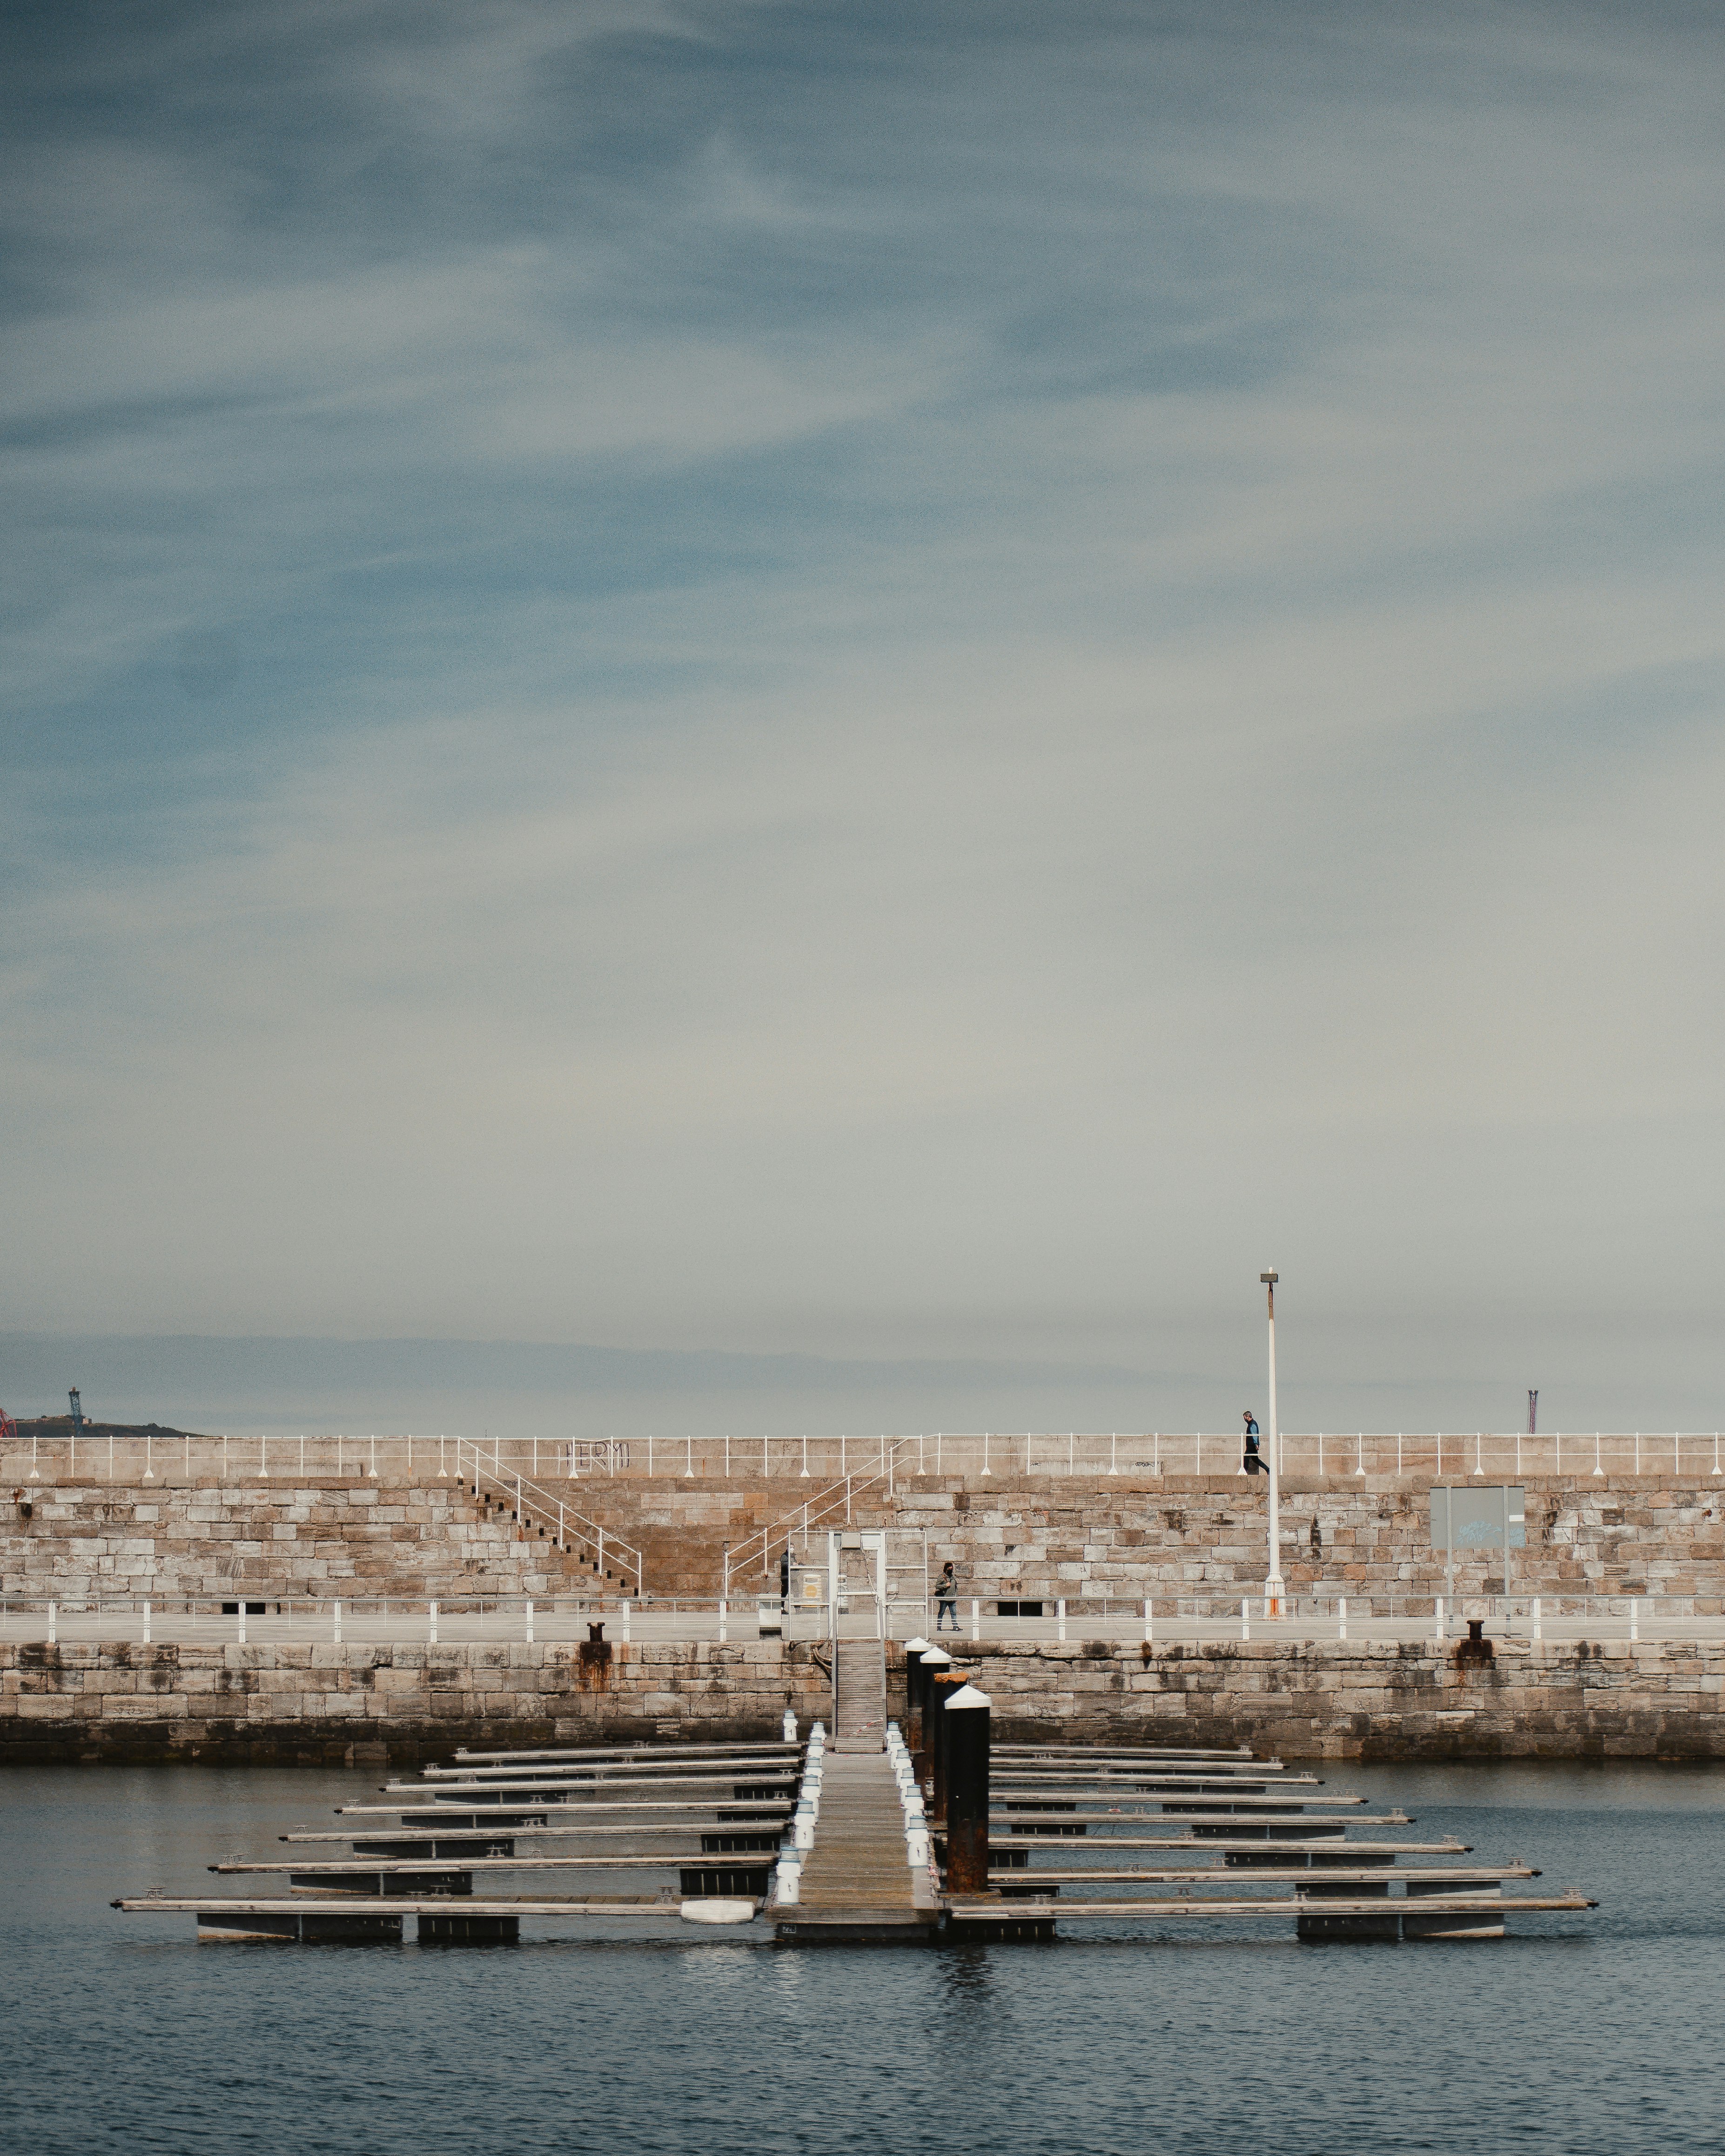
{"points": [[884, 692]]}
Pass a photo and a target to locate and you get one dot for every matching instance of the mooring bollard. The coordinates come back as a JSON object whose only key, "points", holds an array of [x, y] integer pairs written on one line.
{"points": [[53, 1612], [1059, 1620], [530, 1623], [1149, 1626], [1538, 1629], [945, 1684], [1341, 1626], [931, 1662], [147, 1623], [336, 1607], [724, 1612], [1437, 1624], [975, 1618], [914, 1649], [967, 1720], [627, 1607], [1246, 1620], [1634, 1617], [431, 1624], [788, 1730]]}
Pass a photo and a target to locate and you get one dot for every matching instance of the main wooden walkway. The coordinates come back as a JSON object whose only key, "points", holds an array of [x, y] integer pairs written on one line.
{"points": [[856, 1883]]}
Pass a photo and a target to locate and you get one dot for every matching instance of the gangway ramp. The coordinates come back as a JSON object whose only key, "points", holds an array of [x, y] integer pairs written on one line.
{"points": [[856, 1884]]}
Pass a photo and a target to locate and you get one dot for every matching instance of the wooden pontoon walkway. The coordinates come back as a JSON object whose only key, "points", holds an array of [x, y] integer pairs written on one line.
{"points": [[856, 1884]]}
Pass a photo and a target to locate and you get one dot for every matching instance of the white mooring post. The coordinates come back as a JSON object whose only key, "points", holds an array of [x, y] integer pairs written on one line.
{"points": [[336, 1620], [1246, 1620], [724, 1613], [1149, 1624], [1437, 1621], [530, 1623], [627, 1606], [1634, 1617], [242, 1619], [431, 1624], [53, 1612], [147, 1623], [1538, 1629], [975, 1618], [1341, 1614], [1061, 1620]]}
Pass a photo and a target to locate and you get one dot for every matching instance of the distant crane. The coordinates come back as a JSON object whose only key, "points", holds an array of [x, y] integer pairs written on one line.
{"points": [[77, 1411]]}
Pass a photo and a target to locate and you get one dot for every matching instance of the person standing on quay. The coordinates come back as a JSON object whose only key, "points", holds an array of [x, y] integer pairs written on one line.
{"points": [[1252, 1463], [946, 1596]]}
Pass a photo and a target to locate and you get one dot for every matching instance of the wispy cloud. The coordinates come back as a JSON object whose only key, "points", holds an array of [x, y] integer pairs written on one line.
{"points": [[751, 676]]}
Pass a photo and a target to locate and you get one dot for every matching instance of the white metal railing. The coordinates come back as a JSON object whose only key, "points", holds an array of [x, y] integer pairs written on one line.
{"points": [[973, 1457], [257, 1616], [570, 1531]]}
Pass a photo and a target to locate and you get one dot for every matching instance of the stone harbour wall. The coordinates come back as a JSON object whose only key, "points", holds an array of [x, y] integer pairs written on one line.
{"points": [[402, 1705]]}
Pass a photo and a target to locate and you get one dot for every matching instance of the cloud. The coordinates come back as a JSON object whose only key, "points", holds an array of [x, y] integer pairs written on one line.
{"points": [[737, 677]]}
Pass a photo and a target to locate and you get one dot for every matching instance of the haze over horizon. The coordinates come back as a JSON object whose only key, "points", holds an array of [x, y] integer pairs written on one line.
{"points": [[729, 707]]}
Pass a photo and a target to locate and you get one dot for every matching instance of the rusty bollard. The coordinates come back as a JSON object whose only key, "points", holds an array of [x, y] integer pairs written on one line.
{"points": [[965, 1744], [914, 1652], [930, 1664]]}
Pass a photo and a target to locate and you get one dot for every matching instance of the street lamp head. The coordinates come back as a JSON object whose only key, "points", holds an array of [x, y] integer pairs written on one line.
{"points": [[1269, 1279]]}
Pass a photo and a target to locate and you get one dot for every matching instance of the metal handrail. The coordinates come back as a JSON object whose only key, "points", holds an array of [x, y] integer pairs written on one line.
{"points": [[569, 1528], [737, 1563]]}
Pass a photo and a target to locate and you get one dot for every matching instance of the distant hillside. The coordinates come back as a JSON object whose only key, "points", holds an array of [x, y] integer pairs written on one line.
{"points": [[61, 1426]]}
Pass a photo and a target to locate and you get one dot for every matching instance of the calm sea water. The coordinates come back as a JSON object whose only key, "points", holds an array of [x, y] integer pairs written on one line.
{"points": [[1598, 2033]]}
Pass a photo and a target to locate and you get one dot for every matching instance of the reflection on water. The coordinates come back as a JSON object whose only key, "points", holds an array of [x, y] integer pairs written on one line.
{"points": [[1589, 2035]]}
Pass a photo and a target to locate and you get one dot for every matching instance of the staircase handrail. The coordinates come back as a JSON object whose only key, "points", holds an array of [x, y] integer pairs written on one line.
{"points": [[569, 1528], [739, 1562]]}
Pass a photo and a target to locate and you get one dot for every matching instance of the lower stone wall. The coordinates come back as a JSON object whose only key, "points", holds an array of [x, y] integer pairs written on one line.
{"points": [[400, 1706]]}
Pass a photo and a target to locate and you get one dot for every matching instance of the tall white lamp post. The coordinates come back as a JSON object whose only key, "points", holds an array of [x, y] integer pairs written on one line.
{"points": [[1273, 1591]]}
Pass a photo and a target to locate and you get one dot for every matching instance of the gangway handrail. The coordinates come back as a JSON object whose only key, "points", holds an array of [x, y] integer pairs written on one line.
{"points": [[570, 1527], [739, 1562]]}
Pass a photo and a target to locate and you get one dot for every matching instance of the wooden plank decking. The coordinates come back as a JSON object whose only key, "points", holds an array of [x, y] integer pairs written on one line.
{"points": [[856, 1883]]}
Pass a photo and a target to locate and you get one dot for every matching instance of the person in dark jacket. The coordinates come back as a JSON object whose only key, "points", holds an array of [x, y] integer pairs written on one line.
{"points": [[784, 1579], [1253, 1462], [946, 1596]]}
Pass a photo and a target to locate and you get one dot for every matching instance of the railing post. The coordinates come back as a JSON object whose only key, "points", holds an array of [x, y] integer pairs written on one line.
{"points": [[562, 1539]]}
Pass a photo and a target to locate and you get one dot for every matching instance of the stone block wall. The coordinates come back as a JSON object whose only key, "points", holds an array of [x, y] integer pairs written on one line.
{"points": [[401, 1706], [348, 1539], [1124, 1538]]}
